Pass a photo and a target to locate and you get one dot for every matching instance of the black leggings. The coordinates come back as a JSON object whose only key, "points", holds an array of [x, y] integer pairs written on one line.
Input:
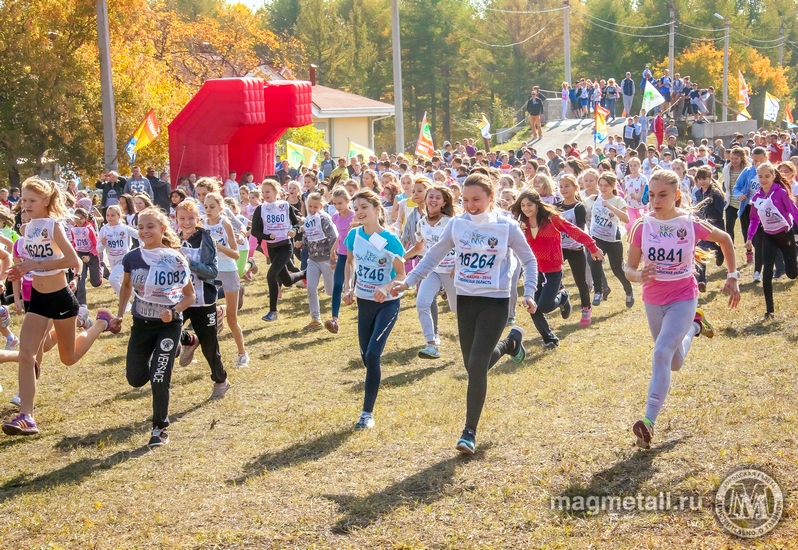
{"points": [[783, 242], [374, 324], [150, 358], [480, 322], [577, 261], [614, 252], [731, 220], [278, 274], [203, 321]]}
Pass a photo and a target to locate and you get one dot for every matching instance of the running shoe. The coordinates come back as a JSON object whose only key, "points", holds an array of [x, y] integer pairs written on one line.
{"points": [[430, 351], [160, 437], [584, 322], [11, 342], [271, 316], [84, 321], [243, 360], [314, 324], [107, 316], [302, 284], [605, 293], [769, 316], [331, 325], [510, 321], [467, 444], [551, 346], [757, 277], [630, 299], [597, 299], [22, 424], [5, 317], [749, 257], [248, 275], [517, 335], [253, 267], [219, 390], [365, 422], [644, 434], [702, 287], [565, 305], [436, 340], [16, 400], [221, 313], [187, 353], [706, 327]]}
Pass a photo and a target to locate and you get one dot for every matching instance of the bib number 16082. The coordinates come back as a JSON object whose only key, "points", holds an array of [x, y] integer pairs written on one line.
{"points": [[169, 278]]}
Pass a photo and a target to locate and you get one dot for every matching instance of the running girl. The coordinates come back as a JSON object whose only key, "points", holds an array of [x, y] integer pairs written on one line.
{"points": [[84, 240], [773, 209], [374, 260], [544, 228], [319, 238], [115, 239], [200, 249], [483, 241], [635, 186], [157, 276], [607, 212], [440, 211], [227, 255], [48, 253], [544, 185], [274, 221], [343, 220], [709, 206], [666, 241]]}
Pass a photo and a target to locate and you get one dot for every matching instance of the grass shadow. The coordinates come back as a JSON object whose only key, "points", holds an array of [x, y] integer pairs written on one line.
{"points": [[116, 360], [508, 366], [756, 328], [305, 451], [76, 472], [401, 379], [420, 489], [624, 478]]}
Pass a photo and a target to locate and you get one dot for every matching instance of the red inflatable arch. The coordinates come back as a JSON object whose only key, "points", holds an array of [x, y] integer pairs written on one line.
{"points": [[233, 124]]}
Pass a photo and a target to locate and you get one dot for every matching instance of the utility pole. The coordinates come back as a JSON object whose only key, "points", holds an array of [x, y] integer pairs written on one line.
{"points": [[566, 32], [726, 28], [107, 85], [397, 78], [671, 37], [781, 45]]}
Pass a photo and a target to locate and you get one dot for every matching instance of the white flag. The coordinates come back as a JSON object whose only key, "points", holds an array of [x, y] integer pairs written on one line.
{"points": [[651, 97], [771, 108], [484, 126]]}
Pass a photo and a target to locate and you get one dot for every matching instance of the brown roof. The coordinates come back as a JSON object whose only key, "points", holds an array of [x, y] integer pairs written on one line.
{"points": [[325, 98]]}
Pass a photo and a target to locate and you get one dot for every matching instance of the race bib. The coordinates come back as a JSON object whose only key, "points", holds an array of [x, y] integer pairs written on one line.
{"points": [[670, 246], [479, 250], [373, 265], [313, 230], [276, 220], [167, 276], [603, 222], [772, 220]]}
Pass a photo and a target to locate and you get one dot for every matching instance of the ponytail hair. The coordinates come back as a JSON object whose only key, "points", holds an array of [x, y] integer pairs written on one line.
{"points": [[169, 239], [572, 180], [48, 190], [374, 199]]}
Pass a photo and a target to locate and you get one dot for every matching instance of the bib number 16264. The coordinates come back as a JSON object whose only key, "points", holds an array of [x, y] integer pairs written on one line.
{"points": [[477, 260]]}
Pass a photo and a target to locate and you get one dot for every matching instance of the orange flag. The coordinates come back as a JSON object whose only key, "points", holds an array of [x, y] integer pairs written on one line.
{"points": [[424, 147]]}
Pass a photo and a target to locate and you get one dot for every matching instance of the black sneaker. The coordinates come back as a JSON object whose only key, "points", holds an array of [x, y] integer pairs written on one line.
{"points": [[551, 346], [565, 305], [630, 299], [468, 442], [160, 437]]}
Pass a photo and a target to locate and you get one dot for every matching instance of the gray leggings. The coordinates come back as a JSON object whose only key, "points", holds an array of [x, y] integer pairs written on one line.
{"points": [[317, 270], [673, 330], [427, 297]]}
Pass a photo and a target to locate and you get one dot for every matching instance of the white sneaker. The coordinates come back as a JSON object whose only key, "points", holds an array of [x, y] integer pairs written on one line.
{"points": [[757, 277], [5, 317], [11, 342], [219, 390], [243, 360], [16, 401], [84, 321], [437, 340]]}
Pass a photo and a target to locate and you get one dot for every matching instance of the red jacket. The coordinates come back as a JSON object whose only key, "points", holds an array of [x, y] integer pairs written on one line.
{"points": [[547, 245]]}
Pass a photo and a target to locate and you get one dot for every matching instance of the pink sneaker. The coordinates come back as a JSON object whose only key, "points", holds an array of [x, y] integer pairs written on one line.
{"points": [[107, 316], [585, 320]]}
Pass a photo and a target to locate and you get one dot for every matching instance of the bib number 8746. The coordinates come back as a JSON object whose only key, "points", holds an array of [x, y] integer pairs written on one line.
{"points": [[477, 260], [370, 274], [662, 255]]}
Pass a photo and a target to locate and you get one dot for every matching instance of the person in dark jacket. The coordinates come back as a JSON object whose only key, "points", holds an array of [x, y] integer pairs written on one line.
{"points": [[113, 188], [160, 189], [534, 107]]}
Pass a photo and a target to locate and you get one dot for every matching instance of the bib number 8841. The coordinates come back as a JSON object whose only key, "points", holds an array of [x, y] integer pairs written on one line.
{"points": [[477, 260], [662, 255]]}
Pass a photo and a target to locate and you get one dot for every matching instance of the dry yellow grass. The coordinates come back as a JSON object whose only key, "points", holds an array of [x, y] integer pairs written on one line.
{"points": [[277, 465]]}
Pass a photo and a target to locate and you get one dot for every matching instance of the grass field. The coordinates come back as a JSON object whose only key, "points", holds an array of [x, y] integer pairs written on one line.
{"points": [[277, 465]]}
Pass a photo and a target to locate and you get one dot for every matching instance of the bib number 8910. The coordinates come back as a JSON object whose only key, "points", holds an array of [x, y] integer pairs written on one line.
{"points": [[477, 260], [662, 255]]}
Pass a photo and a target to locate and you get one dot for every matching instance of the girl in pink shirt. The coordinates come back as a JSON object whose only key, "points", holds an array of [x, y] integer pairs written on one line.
{"points": [[666, 241]]}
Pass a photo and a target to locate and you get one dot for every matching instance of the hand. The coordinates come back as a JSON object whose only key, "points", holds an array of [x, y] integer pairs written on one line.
{"points": [[104, 241], [18, 305], [85, 258], [397, 287], [529, 304], [348, 297], [116, 323], [381, 293], [16, 271], [648, 273], [741, 198], [298, 244], [292, 233], [166, 316], [748, 245], [598, 255], [733, 290]]}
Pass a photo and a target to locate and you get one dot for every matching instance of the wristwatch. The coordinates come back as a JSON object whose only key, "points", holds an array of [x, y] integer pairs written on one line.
{"points": [[733, 275]]}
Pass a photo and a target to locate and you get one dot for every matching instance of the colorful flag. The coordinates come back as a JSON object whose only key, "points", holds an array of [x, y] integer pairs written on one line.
{"points": [[742, 91], [484, 126], [145, 134], [601, 124], [424, 147], [788, 115], [355, 150], [772, 105], [651, 97], [744, 115], [298, 155]]}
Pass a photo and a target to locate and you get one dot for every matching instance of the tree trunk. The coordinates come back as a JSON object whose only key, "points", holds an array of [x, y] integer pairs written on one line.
{"points": [[13, 173], [447, 119]]}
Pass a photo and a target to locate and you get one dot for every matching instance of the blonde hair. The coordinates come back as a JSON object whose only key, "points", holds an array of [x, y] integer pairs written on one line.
{"points": [[274, 185], [316, 196], [49, 190], [570, 178], [190, 205], [215, 197], [114, 208], [546, 185], [169, 239], [211, 184], [341, 193], [231, 203]]}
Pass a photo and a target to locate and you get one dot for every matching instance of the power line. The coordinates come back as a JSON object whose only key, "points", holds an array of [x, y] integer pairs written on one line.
{"points": [[622, 32], [756, 47], [718, 39], [683, 24], [779, 39], [514, 43], [497, 10], [585, 14]]}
